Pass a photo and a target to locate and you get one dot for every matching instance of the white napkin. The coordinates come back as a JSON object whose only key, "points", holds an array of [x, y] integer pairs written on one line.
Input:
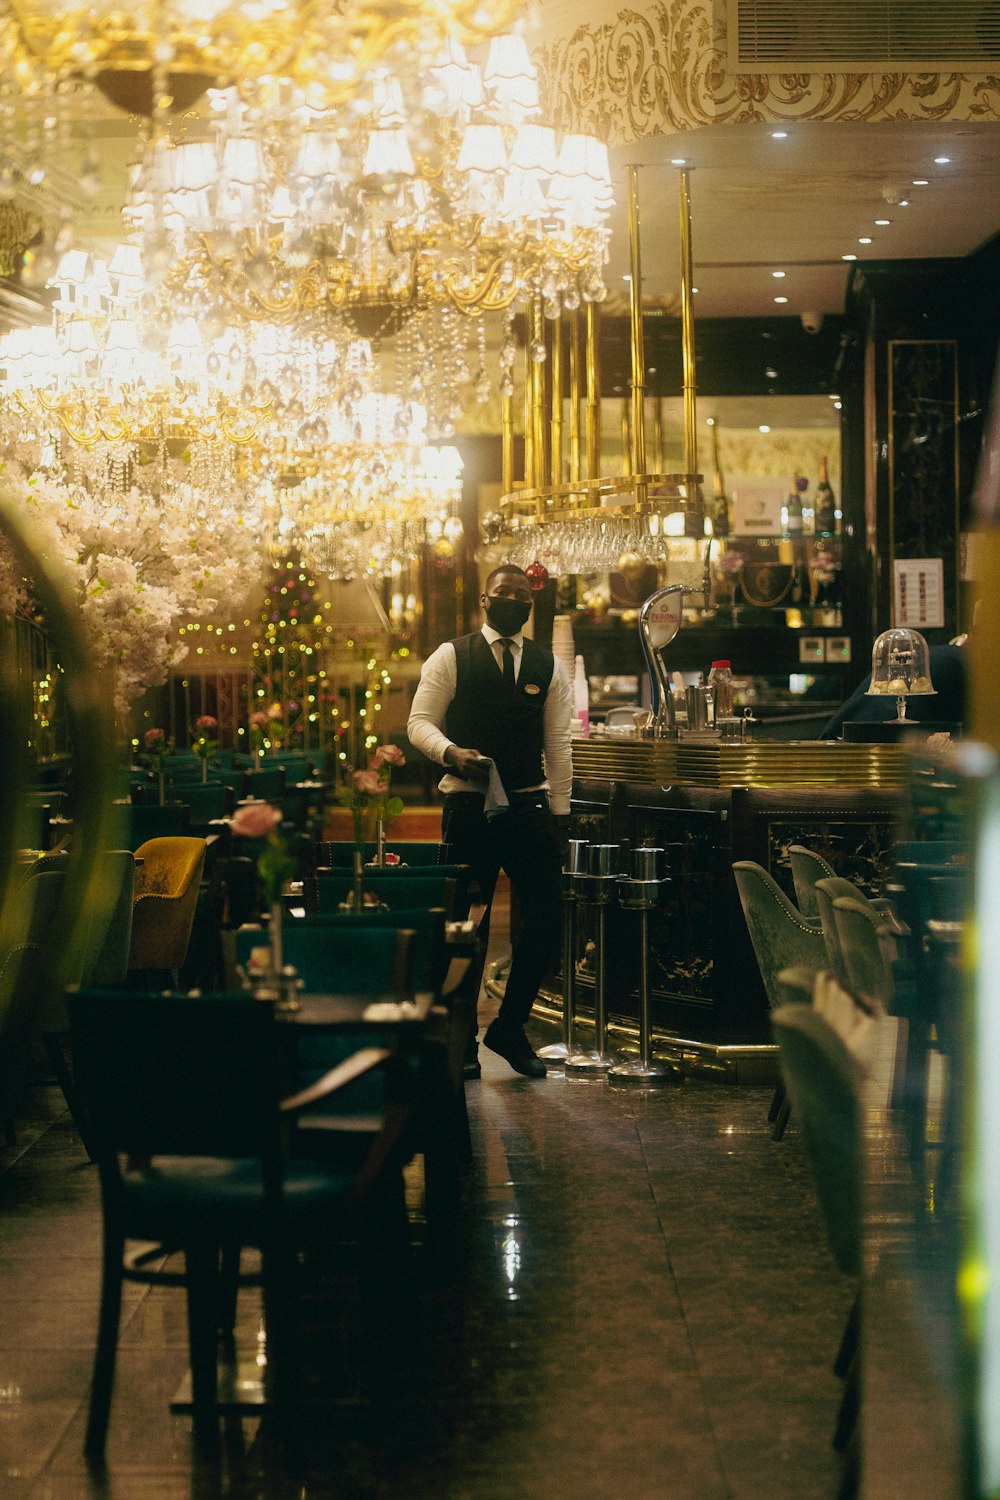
{"points": [[496, 797]]}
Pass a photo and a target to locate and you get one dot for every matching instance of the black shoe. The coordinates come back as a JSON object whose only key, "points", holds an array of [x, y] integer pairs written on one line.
{"points": [[511, 1044], [471, 1067]]}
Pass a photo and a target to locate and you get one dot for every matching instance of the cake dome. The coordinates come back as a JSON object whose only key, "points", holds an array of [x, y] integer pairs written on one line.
{"points": [[900, 667]]}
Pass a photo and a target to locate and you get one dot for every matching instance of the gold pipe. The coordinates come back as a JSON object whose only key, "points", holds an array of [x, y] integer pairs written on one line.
{"points": [[687, 328], [626, 439], [529, 430], [507, 449], [537, 398], [556, 404], [638, 434], [593, 392], [574, 397], [659, 464]]}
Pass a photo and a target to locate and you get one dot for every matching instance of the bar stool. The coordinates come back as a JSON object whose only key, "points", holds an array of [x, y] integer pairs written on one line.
{"points": [[596, 889], [575, 866], [640, 892]]}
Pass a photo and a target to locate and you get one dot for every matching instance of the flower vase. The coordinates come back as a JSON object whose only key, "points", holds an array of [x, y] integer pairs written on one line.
{"points": [[274, 921], [358, 883], [163, 795], [380, 843]]}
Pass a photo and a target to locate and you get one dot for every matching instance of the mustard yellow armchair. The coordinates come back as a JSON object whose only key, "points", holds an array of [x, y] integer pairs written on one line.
{"points": [[167, 877]]}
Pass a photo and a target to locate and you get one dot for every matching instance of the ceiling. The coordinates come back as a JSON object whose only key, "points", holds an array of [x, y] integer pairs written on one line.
{"points": [[801, 203], [759, 204]]}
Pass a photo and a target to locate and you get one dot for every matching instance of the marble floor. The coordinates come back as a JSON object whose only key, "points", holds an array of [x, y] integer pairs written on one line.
{"points": [[642, 1305]]}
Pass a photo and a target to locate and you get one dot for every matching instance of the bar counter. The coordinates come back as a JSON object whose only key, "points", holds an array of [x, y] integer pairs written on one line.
{"points": [[707, 804]]}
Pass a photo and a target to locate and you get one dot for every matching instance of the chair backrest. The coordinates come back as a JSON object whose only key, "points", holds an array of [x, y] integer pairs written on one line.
{"points": [[823, 1082], [207, 800], [429, 958], [264, 784], [780, 934], [860, 931], [172, 820], [169, 866], [339, 854], [169, 1075], [340, 960], [807, 868], [106, 958], [827, 891], [929, 851]]}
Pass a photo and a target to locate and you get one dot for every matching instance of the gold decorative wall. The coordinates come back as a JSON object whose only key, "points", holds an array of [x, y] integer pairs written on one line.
{"points": [[661, 67]]}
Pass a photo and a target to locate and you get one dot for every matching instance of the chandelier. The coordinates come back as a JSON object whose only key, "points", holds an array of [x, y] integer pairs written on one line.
{"points": [[164, 55], [439, 184]]}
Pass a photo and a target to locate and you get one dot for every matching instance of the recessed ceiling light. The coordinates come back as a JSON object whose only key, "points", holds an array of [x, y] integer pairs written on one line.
{"points": [[770, 374], [627, 277], [904, 202], [864, 239], [778, 275], [678, 161], [920, 182], [883, 222], [941, 161], [709, 421], [838, 405], [848, 257], [781, 299], [763, 427], [694, 291], [779, 135]]}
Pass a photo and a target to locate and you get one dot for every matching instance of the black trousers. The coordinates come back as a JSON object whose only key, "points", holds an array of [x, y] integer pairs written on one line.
{"points": [[524, 843]]}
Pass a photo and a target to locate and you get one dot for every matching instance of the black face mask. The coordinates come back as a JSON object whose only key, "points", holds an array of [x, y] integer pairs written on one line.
{"points": [[506, 615]]}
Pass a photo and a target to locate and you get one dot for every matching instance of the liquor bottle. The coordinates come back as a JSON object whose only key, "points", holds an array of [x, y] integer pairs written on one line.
{"points": [[793, 508], [826, 503]]}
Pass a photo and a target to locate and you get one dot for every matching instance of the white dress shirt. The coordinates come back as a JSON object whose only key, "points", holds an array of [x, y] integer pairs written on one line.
{"points": [[437, 687]]}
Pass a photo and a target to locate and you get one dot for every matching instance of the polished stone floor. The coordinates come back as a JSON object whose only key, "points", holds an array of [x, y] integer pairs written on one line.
{"points": [[643, 1304]]}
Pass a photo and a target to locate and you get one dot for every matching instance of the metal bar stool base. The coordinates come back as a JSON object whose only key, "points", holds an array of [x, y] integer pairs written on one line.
{"points": [[589, 1062], [637, 1071], [554, 1052]]}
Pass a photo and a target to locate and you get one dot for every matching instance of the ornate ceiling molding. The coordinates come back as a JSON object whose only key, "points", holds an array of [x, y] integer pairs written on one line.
{"points": [[662, 69]]}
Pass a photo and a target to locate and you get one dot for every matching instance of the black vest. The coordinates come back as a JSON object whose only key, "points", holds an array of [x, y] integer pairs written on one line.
{"points": [[506, 725]]}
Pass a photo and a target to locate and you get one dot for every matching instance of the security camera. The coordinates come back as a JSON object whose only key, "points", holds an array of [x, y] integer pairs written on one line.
{"points": [[812, 322]]}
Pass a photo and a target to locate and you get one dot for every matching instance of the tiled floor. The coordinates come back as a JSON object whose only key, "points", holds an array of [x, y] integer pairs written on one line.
{"points": [[645, 1307]]}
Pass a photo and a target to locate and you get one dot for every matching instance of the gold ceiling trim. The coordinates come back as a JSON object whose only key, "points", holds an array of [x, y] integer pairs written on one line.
{"points": [[663, 69]]}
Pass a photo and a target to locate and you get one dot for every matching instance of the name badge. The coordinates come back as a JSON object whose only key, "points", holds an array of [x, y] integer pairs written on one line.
{"points": [[532, 688]]}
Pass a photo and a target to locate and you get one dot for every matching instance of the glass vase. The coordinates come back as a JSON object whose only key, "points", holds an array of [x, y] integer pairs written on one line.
{"points": [[163, 794], [274, 920], [358, 881], [380, 843]]}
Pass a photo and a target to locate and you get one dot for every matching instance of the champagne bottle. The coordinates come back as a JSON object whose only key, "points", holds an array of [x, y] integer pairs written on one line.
{"points": [[826, 503], [793, 508]]}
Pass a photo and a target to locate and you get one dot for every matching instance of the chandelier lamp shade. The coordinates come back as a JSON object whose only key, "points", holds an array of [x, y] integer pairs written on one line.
{"points": [[165, 54]]}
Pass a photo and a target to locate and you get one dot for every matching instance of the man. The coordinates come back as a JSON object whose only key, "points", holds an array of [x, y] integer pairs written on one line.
{"points": [[497, 696], [947, 705]]}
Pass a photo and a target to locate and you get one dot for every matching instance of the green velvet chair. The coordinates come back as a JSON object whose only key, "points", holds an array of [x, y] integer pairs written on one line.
{"points": [[807, 868], [442, 885], [824, 1084], [166, 896], [190, 1102]]}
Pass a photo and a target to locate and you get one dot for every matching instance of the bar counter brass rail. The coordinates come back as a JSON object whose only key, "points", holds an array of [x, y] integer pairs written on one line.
{"points": [[756, 763]]}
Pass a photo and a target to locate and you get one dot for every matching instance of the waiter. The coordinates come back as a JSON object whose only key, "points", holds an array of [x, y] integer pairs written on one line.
{"points": [[497, 696]]}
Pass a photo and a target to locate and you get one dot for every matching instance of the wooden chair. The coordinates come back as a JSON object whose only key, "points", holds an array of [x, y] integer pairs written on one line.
{"points": [[190, 1100]]}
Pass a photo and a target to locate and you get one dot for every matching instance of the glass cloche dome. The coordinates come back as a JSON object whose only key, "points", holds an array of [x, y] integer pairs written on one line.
{"points": [[901, 667]]}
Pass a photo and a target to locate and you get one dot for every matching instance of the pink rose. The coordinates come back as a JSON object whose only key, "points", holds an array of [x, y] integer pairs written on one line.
{"points": [[153, 739], [369, 782], [255, 820], [205, 723], [275, 711], [732, 562], [259, 719], [388, 755]]}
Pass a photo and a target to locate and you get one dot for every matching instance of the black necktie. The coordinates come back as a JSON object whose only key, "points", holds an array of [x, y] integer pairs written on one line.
{"points": [[508, 661]]}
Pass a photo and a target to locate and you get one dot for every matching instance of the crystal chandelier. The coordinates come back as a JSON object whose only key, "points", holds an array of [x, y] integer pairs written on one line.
{"points": [[439, 184], [164, 55]]}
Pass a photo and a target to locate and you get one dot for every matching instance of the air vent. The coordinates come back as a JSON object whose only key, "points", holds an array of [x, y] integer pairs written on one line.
{"points": [[864, 36]]}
